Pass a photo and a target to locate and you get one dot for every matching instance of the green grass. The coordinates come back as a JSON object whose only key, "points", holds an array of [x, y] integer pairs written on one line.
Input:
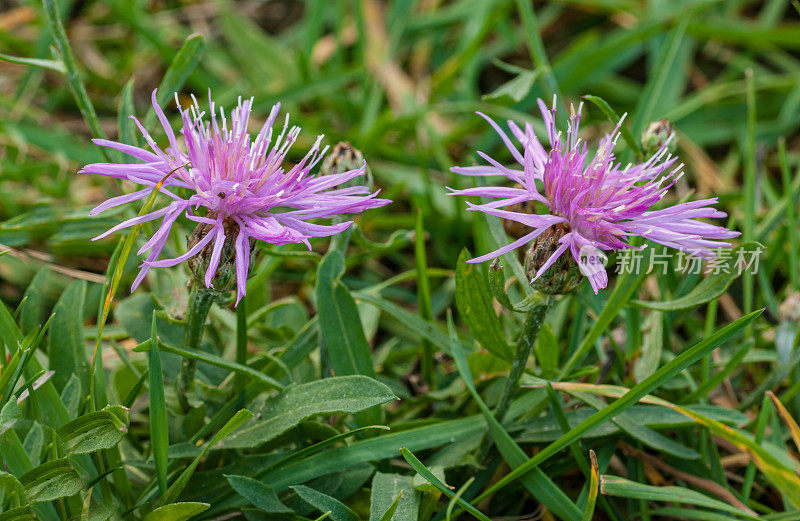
{"points": [[687, 361]]}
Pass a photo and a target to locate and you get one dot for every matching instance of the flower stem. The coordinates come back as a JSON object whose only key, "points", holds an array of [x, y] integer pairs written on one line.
{"points": [[530, 331], [239, 381], [200, 300]]}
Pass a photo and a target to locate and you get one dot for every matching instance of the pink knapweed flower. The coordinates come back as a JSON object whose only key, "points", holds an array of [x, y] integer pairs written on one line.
{"points": [[238, 182], [597, 203]]}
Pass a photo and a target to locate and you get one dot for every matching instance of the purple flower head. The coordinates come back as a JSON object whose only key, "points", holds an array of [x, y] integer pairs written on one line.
{"points": [[598, 204], [240, 182]]}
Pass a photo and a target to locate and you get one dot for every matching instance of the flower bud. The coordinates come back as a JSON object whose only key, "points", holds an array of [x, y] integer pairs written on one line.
{"points": [[343, 158], [657, 133], [225, 276], [563, 275]]}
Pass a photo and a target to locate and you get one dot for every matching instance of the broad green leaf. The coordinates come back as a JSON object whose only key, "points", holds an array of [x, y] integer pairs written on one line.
{"points": [[52, 480], [34, 443], [616, 486], [393, 492], [259, 494], [340, 324], [177, 511], [325, 503], [12, 493], [475, 308], [71, 395], [337, 395], [91, 432], [96, 512], [725, 271]]}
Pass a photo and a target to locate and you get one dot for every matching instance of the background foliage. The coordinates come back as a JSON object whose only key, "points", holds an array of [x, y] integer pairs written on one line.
{"points": [[400, 80]]}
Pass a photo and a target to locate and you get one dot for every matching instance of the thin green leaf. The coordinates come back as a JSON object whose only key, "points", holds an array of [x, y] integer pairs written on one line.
{"points": [[325, 503], [182, 65], [177, 487], [177, 511], [669, 370], [433, 480], [727, 268], [612, 116], [537, 482], [616, 486], [159, 431]]}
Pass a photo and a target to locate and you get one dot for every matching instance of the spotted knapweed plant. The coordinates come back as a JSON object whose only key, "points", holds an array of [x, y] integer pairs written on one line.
{"points": [[589, 203], [238, 189], [240, 183]]}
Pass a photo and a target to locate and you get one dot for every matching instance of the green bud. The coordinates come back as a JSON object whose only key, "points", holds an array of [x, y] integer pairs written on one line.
{"points": [[563, 275], [657, 133], [343, 158]]}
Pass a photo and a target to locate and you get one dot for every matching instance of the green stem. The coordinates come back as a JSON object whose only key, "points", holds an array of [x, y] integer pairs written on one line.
{"points": [[239, 380], [530, 331], [200, 300]]}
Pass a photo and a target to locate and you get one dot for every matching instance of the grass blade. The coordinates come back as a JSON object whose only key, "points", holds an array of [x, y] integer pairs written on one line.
{"points": [[159, 433], [73, 75], [588, 512], [436, 482], [182, 65], [675, 366]]}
